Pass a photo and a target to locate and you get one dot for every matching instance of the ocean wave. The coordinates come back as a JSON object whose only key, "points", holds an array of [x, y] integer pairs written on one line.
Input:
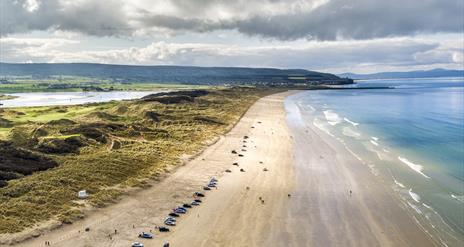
{"points": [[417, 168], [399, 184], [375, 143], [351, 122], [386, 150], [414, 196], [321, 126], [374, 138], [416, 208], [427, 206], [332, 117], [459, 198], [347, 131]]}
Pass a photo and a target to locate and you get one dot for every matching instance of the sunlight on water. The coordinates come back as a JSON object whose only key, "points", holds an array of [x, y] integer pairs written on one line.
{"points": [[413, 134], [70, 98]]}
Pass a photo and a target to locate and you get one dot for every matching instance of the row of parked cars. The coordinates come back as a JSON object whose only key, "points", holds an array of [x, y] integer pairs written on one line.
{"points": [[171, 220]]}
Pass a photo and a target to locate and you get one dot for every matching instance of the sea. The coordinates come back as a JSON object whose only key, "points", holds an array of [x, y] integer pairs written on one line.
{"points": [[411, 136], [69, 98]]}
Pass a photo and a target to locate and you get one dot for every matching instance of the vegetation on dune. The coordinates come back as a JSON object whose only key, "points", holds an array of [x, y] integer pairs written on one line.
{"points": [[102, 148], [6, 97]]}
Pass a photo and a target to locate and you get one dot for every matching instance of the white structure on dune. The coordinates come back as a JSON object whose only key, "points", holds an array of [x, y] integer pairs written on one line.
{"points": [[82, 194]]}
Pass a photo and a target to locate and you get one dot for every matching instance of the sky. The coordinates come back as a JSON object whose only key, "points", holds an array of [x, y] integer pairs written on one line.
{"points": [[361, 36]]}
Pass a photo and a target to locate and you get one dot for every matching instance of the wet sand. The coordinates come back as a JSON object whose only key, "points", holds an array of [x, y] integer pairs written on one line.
{"points": [[300, 160]]}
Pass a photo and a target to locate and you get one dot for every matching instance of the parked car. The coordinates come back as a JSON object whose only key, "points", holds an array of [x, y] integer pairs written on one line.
{"points": [[171, 219], [137, 244], [180, 210], [174, 215], [145, 235], [195, 203], [163, 229], [170, 223], [198, 194]]}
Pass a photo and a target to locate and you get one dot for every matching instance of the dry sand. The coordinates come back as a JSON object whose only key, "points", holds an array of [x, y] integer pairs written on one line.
{"points": [[302, 161]]}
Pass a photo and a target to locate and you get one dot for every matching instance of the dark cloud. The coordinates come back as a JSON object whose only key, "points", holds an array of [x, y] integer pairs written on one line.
{"points": [[361, 19], [279, 19], [99, 18]]}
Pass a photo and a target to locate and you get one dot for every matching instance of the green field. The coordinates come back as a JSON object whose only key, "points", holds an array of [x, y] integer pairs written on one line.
{"points": [[50, 153], [79, 84]]}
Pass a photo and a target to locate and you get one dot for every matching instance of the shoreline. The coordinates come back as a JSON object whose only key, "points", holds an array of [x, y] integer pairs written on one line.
{"points": [[372, 215], [319, 212], [421, 184]]}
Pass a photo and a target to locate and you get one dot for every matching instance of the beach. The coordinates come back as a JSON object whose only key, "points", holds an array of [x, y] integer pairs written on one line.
{"points": [[294, 191]]}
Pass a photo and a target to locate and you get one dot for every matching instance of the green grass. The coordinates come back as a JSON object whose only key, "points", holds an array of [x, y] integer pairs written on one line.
{"points": [[61, 136], [77, 84], [144, 149], [45, 114]]}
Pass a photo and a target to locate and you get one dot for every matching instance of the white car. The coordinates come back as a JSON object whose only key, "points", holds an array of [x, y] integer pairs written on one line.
{"points": [[170, 223], [170, 219], [137, 244]]}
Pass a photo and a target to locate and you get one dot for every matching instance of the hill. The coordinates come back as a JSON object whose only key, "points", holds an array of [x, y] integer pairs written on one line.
{"points": [[171, 74], [409, 74]]}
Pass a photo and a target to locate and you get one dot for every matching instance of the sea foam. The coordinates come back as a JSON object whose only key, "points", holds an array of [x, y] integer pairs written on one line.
{"points": [[347, 131], [351, 122], [321, 127], [459, 198], [417, 168], [414, 196], [399, 184], [332, 117], [375, 143], [416, 208]]}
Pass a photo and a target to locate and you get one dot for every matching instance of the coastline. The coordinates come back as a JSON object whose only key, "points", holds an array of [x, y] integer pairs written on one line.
{"points": [[372, 215], [319, 212]]}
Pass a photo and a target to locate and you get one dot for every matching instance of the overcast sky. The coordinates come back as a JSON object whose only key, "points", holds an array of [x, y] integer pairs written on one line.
{"points": [[325, 35]]}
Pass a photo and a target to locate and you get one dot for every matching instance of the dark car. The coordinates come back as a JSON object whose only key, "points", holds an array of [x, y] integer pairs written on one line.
{"points": [[198, 194], [163, 229], [173, 215]]}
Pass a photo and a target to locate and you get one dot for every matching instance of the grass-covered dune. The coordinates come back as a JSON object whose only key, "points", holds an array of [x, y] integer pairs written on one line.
{"points": [[48, 154], [6, 97]]}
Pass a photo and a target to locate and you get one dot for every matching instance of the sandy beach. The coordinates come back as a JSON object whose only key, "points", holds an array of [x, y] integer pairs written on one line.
{"points": [[300, 160]]}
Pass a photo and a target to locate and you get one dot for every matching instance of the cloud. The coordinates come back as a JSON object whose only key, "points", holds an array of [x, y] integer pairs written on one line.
{"points": [[275, 19], [100, 18], [332, 56]]}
